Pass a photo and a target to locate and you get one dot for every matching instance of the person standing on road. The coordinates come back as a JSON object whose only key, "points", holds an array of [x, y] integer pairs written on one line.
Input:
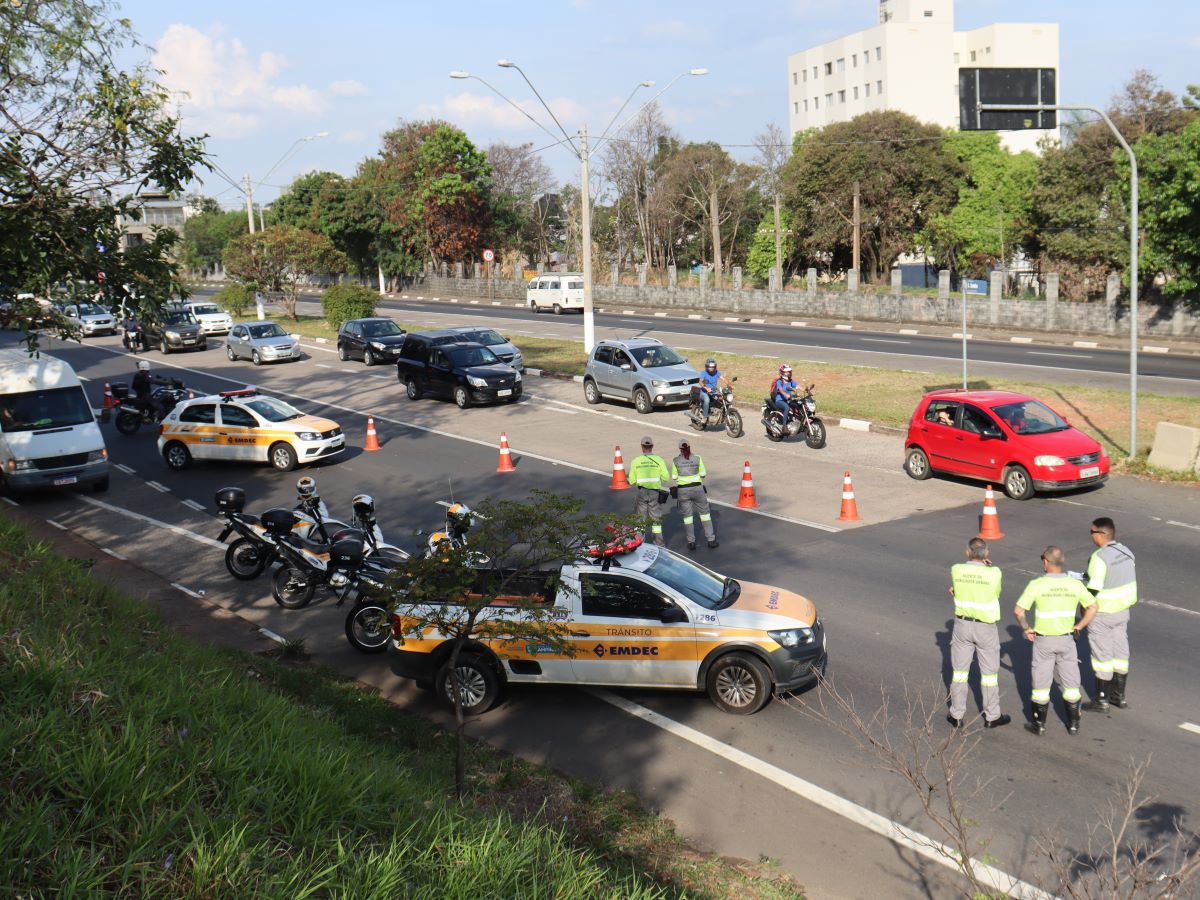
{"points": [[649, 475], [688, 473], [1057, 597], [975, 586], [1112, 578]]}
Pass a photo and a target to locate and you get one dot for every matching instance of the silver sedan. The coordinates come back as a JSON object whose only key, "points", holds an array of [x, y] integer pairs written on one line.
{"points": [[261, 342]]}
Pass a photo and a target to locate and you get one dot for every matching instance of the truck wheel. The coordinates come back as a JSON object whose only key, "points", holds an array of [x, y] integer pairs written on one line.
{"points": [[739, 684], [478, 684]]}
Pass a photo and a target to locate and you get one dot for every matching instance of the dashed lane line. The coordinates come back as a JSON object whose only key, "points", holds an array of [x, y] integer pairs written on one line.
{"points": [[161, 488], [114, 554], [1159, 605], [187, 590], [1183, 525], [174, 529], [124, 468], [1188, 726], [59, 525], [847, 809], [192, 504]]}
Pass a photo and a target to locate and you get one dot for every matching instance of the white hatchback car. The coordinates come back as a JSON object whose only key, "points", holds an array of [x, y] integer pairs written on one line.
{"points": [[556, 291], [212, 319]]}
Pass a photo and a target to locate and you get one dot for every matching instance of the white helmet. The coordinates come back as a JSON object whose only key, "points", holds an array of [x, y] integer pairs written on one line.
{"points": [[143, 365], [306, 486]]}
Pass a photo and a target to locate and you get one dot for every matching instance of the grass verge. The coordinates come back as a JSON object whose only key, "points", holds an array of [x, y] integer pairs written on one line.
{"points": [[138, 763]]}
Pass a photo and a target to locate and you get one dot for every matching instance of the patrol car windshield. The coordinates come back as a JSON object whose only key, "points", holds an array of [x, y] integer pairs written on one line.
{"points": [[382, 328], [485, 336], [692, 580], [656, 357], [273, 410], [472, 356], [51, 408], [206, 309], [1030, 417], [266, 331]]}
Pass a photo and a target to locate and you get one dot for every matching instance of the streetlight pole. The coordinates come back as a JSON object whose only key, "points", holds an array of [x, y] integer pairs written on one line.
{"points": [[589, 317], [1133, 243]]}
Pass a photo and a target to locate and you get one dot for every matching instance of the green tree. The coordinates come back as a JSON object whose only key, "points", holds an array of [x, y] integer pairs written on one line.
{"points": [[761, 257], [86, 131], [991, 218], [330, 204], [906, 178], [348, 301], [281, 259], [521, 182], [205, 236]]}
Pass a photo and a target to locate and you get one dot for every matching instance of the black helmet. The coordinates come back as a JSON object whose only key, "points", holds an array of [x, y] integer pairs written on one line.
{"points": [[364, 507]]}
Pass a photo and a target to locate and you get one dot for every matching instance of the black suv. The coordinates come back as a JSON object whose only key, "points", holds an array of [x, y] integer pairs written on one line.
{"points": [[179, 329], [372, 340], [438, 362]]}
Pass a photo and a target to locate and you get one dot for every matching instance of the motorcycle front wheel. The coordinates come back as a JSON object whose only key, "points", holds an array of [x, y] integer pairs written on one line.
{"points": [[292, 590], [245, 560], [128, 423], [733, 423], [815, 437], [368, 627]]}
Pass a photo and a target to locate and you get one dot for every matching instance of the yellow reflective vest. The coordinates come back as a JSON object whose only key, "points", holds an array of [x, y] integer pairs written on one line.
{"points": [[976, 591]]}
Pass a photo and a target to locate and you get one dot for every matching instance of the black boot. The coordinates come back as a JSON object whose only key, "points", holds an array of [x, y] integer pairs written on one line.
{"points": [[1099, 701], [1117, 691], [1038, 715], [999, 722], [1073, 717]]}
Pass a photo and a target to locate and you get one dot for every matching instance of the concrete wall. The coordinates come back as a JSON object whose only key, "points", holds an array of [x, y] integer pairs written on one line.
{"points": [[1007, 315]]}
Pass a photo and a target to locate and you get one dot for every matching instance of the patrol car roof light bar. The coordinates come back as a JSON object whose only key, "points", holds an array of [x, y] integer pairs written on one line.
{"points": [[1133, 240], [226, 396]]}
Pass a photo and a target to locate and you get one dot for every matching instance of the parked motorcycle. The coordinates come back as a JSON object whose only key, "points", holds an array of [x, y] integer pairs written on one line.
{"points": [[307, 566], [720, 411], [131, 414], [369, 622], [803, 418]]}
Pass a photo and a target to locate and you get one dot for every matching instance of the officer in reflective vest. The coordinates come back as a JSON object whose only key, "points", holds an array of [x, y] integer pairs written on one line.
{"points": [[649, 475], [688, 473], [1112, 578], [975, 586], [1056, 597]]}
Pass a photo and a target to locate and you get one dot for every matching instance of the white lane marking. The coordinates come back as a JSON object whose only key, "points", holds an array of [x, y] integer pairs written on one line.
{"points": [[186, 590], [764, 356], [322, 349], [1068, 355], [1168, 606], [192, 504], [565, 412], [59, 525], [319, 366], [10, 501], [161, 488], [114, 554], [124, 468], [1183, 525], [885, 341], [859, 815], [1188, 726], [174, 529], [267, 632]]}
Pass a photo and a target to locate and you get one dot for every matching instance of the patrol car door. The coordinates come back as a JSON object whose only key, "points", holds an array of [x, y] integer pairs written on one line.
{"points": [[621, 637], [197, 429], [238, 434]]}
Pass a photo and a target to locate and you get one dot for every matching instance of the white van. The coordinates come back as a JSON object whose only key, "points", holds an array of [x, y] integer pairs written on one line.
{"points": [[48, 432], [556, 291]]}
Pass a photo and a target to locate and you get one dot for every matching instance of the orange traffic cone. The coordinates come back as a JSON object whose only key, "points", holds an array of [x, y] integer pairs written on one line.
{"points": [[746, 498], [849, 511], [989, 522], [372, 436], [619, 481], [109, 402], [506, 464]]}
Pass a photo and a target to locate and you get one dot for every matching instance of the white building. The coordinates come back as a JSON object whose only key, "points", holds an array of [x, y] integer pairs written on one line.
{"points": [[910, 62], [158, 210]]}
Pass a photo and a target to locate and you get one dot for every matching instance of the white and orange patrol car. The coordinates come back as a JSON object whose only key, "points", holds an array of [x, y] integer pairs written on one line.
{"points": [[644, 617], [246, 425]]}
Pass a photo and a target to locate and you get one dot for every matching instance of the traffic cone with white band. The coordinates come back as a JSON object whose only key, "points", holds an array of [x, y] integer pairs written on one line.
{"points": [[989, 522], [109, 402], [746, 498], [849, 511], [619, 480], [506, 463], [372, 436]]}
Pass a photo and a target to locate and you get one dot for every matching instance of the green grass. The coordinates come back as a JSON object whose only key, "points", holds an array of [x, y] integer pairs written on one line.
{"points": [[138, 763]]}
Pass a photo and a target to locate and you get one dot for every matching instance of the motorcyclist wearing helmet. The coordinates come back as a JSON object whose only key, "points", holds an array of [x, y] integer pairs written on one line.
{"points": [[133, 331], [710, 383], [783, 390], [143, 386]]}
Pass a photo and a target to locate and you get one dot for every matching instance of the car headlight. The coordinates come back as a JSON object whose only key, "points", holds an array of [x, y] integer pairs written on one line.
{"points": [[377, 345], [476, 382], [20, 465], [308, 435], [518, 377], [173, 335], [1049, 461], [660, 384], [97, 455], [792, 637]]}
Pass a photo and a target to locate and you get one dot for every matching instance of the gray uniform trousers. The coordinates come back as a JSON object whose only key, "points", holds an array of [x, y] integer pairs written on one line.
{"points": [[974, 639], [1055, 659], [694, 502], [1108, 636], [648, 507]]}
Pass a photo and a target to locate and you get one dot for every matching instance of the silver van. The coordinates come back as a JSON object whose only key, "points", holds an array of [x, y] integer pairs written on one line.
{"points": [[556, 291]]}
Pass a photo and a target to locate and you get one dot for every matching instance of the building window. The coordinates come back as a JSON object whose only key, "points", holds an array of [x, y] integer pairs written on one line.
{"points": [[806, 106], [972, 56], [828, 100], [856, 92], [879, 87], [795, 106], [866, 57], [987, 50], [794, 81], [878, 53], [815, 73], [868, 88], [841, 64], [829, 68], [956, 59], [816, 102], [841, 96], [854, 60], [929, 13], [805, 73]]}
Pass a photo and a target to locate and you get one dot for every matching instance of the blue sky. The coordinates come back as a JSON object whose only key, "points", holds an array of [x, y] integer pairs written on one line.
{"points": [[262, 74]]}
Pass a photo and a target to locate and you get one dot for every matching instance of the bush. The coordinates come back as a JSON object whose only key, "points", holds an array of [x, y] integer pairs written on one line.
{"points": [[348, 301], [236, 298]]}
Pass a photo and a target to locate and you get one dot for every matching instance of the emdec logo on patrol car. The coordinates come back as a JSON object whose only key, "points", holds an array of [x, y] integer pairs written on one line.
{"points": [[620, 650]]}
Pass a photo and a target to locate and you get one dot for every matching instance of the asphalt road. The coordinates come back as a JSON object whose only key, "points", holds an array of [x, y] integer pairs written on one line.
{"points": [[880, 589]]}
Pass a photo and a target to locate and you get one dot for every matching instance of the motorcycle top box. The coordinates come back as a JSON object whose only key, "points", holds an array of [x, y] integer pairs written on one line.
{"points": [[347, 549], [231, 499], [120, 390], [279, 522]]}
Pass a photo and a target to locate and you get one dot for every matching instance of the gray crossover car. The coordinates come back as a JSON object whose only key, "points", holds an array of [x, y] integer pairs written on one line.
{"points": [[642, 370], [261, 342], [494, 341]]}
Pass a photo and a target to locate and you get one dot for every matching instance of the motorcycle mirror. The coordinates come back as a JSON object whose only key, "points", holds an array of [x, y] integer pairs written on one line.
{"points": [[733, 379], [418, 532]]}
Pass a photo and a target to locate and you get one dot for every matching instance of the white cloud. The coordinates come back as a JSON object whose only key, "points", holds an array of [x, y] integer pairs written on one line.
{"points": [[347, 87], [467, 109], [224, 89]]}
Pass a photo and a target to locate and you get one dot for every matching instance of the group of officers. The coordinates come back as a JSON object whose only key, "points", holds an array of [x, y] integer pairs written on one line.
{"points": [[651, 477], [1063, 604]]}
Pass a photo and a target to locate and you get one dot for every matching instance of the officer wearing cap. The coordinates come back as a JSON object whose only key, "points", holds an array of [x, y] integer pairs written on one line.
{"points": [[688, 473], [1112, 579], [649, 475]]}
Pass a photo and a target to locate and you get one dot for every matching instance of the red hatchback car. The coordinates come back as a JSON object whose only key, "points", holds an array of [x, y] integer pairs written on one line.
{"points": [[1001, 437]]}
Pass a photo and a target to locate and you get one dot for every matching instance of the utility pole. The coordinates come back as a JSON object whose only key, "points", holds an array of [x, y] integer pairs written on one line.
{"points": [[716, 236], [249, 191], [857, 264], [589, 320], [778, 247]]}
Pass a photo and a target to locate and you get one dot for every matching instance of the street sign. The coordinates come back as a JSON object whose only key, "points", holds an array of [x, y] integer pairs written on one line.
{"points": [[975, 286], [1006, 87], [488, 255]]}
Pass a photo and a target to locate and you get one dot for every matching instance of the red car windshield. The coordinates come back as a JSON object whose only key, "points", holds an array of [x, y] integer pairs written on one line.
{"points": [[1030, 417]]}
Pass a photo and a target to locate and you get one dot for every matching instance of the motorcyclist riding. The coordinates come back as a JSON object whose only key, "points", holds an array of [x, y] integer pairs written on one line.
{"points": [[143, 386], [783, 390], [710, 384], [133, 331]]}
